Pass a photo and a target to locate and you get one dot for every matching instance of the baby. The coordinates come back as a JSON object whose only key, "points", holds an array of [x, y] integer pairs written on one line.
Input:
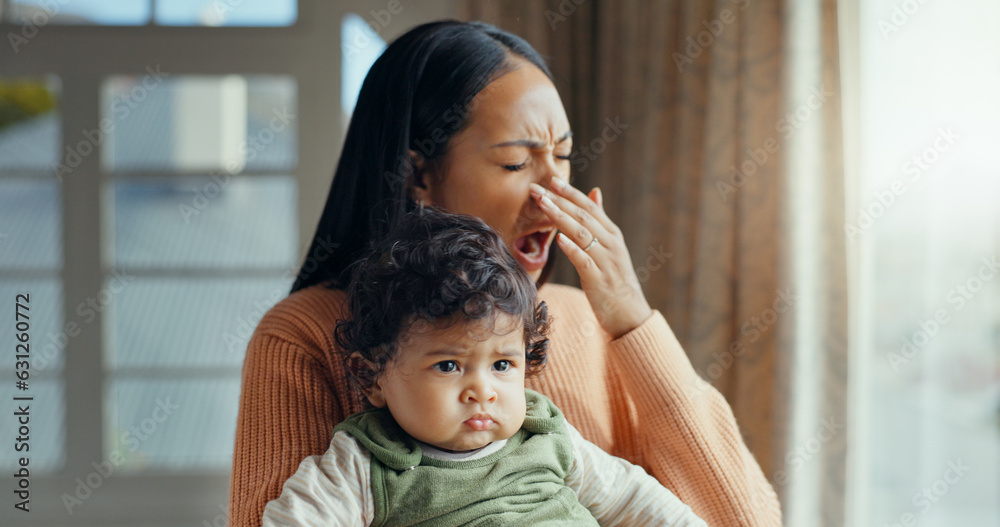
{"points": [[444, 327]]}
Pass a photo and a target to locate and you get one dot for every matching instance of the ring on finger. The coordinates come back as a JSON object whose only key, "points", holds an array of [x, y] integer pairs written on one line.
{"points": [[591, 245]]}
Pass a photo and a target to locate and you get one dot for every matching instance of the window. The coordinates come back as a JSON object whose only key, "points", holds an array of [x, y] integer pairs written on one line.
{"points": [[202, 249], [258, 13], [929, 236], [79, 12], [226, 12], [155, 204], [31, 259], [361, 46]]}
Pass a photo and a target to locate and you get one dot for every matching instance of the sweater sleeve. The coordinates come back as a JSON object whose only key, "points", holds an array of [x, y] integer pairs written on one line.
{"points": [[293, 393], [619, 493], [286, 414], [332, 489], [686, 431]]}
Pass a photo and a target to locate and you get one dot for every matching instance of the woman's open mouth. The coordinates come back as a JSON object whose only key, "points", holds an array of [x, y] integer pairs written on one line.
{"points": [[532, 250]]}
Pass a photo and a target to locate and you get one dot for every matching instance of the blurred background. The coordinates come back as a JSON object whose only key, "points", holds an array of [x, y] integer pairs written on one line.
{"points": [[820, 173]]}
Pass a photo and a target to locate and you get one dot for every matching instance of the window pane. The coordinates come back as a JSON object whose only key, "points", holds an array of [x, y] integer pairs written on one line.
{"points": [[217, 13], [233, 123], [30, 224], [172, 424], [206, 222], [190, 322], [46, 413], [272, 124], [361, 46], [931, 230], [81, 12], [29, 125], [48, 334]]}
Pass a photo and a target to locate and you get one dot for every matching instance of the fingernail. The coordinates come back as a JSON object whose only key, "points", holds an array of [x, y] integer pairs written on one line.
{"points": [[548, 202], [558, 183], [536, 190], [562, 237], [600, 196]]}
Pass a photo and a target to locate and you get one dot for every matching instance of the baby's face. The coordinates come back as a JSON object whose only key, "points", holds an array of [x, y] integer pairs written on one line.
{"points": [[458, 388]]}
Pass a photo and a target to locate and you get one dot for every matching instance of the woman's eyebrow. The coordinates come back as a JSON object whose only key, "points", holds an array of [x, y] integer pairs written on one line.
{"points": [[531, 143]]}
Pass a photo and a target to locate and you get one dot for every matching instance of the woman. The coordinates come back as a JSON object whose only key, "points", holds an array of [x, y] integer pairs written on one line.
{"points": [[466, 117]]}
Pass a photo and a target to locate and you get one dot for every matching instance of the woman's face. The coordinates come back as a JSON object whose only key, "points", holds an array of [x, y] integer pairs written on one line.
{"points": [[517, 134]]}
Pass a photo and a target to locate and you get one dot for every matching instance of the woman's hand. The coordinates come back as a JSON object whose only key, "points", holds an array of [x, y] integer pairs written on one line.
{"points": [[596, 247]]}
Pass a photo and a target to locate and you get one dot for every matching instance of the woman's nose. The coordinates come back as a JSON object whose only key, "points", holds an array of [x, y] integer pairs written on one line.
{"points": [[551, 170], [543, 177]]}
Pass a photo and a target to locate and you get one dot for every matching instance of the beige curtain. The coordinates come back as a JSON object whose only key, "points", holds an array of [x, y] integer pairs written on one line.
{"points": [[714, 131]]}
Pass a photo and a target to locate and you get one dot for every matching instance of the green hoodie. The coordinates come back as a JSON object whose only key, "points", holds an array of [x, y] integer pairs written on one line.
{"points": [[523, 483]]}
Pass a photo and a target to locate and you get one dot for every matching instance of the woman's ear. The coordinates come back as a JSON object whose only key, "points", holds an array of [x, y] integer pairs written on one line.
{"points": [[419, 185], [368, 373]]}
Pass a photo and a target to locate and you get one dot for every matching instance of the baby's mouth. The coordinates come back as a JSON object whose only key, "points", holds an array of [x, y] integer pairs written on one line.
{"points": [[480, 423]]}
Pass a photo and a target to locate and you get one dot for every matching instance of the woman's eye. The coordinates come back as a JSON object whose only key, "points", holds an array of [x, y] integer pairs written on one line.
{"points": [[565, 158], [447, 366], [503, 365], [515, 168]]}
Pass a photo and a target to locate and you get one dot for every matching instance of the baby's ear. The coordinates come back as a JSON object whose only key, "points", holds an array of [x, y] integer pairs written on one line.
{"points": [[367, 371], [375, 396]]}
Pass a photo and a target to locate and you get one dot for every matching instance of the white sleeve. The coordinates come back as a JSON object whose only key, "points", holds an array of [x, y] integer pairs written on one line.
{"points": [[619, 493], [332, 489]]}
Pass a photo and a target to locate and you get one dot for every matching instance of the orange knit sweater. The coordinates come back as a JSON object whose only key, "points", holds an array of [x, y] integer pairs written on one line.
{"points": [[636, 397]]}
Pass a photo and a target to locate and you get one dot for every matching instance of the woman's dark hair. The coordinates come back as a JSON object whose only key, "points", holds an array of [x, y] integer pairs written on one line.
{"points": [[436, 268], [415, 97]]}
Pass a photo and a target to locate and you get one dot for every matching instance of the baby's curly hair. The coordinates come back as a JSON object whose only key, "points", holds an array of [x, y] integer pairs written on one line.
{"points": [[433, 266]]}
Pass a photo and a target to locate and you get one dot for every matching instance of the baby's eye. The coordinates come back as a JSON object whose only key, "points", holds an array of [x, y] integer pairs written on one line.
{"points": [[502, 365], [446, 366]]}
